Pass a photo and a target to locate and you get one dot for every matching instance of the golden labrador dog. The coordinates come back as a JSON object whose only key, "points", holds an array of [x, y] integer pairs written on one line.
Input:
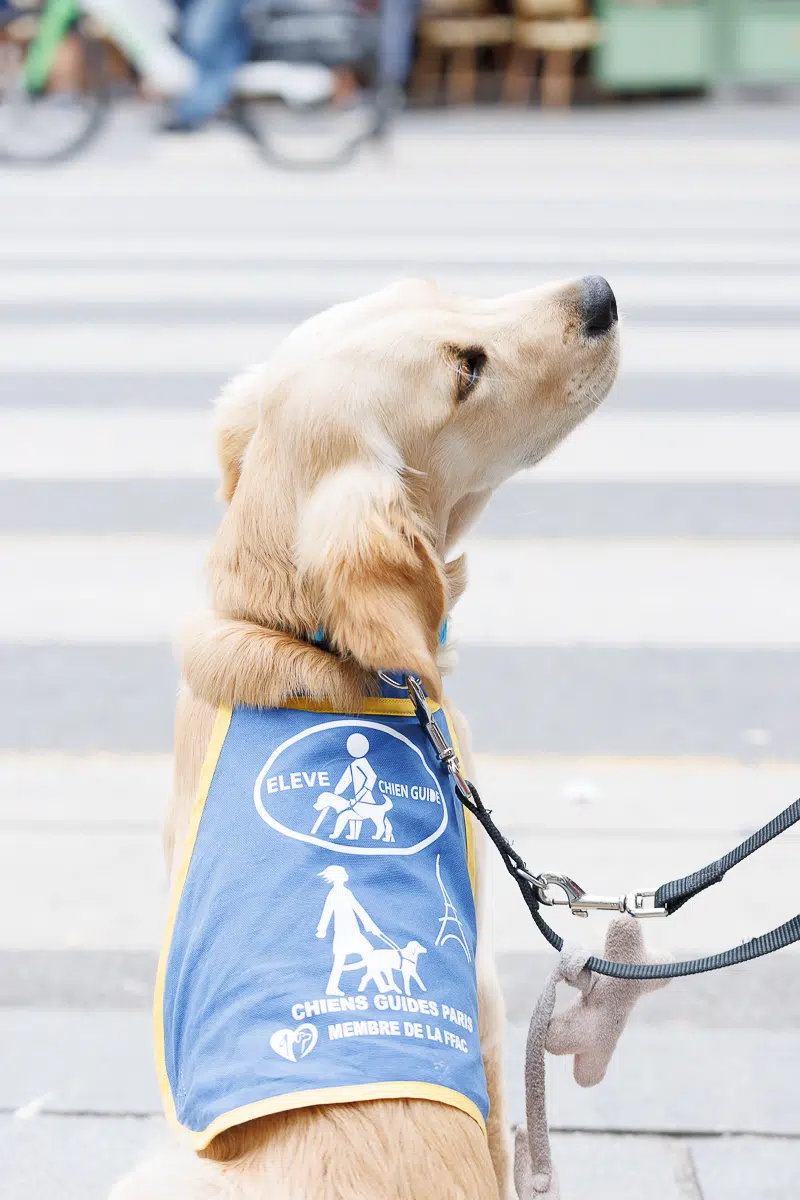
{"points": [[353, 462]]}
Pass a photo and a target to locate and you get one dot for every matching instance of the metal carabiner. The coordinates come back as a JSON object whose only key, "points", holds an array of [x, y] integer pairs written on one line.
{"points": [[444, 751], [580, 902]]}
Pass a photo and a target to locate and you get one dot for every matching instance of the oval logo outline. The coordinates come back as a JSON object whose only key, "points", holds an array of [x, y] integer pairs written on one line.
{"points": [[275, 824]]}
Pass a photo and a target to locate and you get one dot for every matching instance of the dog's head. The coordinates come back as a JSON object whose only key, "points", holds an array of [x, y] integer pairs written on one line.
{"points": [[412, 951], [364, 449]]}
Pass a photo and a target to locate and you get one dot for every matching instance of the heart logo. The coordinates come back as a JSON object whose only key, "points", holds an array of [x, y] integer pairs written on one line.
{"points": [[293, 1044]]}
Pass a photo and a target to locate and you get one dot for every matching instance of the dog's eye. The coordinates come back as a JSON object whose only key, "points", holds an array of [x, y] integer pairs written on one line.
{"points": [[470, 365]]}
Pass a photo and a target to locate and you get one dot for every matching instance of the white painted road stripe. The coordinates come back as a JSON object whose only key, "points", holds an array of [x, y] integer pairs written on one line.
{"points": [[674, 797], [643, 593], [136, 589], [402, 250], [312, 286], [613, 825], [93, 444], [710, 350], [680, 448], [64, 348], [93, 789], [759, 895], [66, 890], [95, 590], [68, 443]]}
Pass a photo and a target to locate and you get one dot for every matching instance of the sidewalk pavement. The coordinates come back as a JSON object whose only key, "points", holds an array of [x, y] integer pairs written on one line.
{"points": [[78, 1158], [81, 1106]]}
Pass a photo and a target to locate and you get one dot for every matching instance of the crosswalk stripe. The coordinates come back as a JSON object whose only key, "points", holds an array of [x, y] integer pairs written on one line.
{"points": [[402, 251], [655, 593], [620, 824], [581, 794], [70, 443], [315, 287], [679, 448], [552, 207], [96, 444], [759, 896], [133, 348], [553, 592], [99, 590], [65, 790], [121, 900], [723, 173], [676, 350]]}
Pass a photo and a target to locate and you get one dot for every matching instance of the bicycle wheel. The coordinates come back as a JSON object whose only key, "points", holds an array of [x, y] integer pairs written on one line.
{"points": [[311, 138], [40, 124], [285, 97]]}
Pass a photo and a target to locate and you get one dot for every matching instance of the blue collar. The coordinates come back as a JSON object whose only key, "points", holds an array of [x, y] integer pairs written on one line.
{"points": [[320, 637]]}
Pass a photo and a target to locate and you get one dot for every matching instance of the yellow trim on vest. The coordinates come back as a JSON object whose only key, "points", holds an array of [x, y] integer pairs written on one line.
{"points": [[216, 742], [372, 706], [349, 1094]]}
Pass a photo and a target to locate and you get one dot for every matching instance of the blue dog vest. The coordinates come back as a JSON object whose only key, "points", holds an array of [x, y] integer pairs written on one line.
{"points": [[320, 947]]}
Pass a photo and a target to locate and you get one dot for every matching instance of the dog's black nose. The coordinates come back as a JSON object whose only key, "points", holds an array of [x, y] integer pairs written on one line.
{"points": [[598, 305]]}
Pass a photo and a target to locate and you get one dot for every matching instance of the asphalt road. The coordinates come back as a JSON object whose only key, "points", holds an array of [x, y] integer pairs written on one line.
{"points": [[629, 646]]}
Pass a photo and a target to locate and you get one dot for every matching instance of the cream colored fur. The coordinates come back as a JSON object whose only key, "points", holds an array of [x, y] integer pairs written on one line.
{"points": [[353, 462]]}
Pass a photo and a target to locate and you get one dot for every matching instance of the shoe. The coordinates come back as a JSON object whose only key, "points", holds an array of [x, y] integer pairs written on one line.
{"points": [[173, 123]]}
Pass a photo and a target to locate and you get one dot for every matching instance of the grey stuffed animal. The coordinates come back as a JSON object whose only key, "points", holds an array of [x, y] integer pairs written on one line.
{"points": [[589, 1030]]}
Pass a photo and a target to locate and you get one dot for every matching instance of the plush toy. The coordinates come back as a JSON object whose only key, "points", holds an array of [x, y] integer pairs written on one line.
{"points": [[589, 1030]]}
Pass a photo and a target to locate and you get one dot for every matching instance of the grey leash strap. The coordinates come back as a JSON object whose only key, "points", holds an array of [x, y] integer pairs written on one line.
{"points": [[671, 896], [665, 900]]}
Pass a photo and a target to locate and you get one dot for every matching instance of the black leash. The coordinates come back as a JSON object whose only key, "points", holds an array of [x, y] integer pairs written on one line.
{"points": [[670, 896], [665, 900]]}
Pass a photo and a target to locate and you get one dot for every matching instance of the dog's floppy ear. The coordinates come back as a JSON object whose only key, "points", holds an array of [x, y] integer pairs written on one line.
{"points": [[236, 419], [380, 588]]}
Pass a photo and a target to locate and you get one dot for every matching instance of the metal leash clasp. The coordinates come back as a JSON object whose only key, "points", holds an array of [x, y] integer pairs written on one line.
{"points": [[444, 752], [581, 902]]}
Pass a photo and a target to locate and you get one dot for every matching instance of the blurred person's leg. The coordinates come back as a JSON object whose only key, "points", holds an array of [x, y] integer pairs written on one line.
{"points": [[398, 20], [345, 88], [66, 73], [396, 29], [141, 29], [214, 35]]}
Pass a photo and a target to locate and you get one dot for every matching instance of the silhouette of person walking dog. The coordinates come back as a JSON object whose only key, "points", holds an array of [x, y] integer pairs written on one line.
{"points": [[352, 813], [350, 923]]}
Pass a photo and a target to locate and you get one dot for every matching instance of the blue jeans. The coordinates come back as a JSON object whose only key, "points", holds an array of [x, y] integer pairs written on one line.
{"points": [[214, 36], [397, 27]]}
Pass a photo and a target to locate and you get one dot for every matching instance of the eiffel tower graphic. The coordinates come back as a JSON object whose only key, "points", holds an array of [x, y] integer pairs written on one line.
{"points": [[450, 918]]}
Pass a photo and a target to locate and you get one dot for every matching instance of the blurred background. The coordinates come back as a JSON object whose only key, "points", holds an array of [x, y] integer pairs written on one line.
{"points": [[630, 642]]}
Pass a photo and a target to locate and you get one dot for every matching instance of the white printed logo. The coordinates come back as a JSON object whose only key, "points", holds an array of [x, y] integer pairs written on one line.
{"points": [[340, 798], [351, 924], [294, 1044], [362, 805]]}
